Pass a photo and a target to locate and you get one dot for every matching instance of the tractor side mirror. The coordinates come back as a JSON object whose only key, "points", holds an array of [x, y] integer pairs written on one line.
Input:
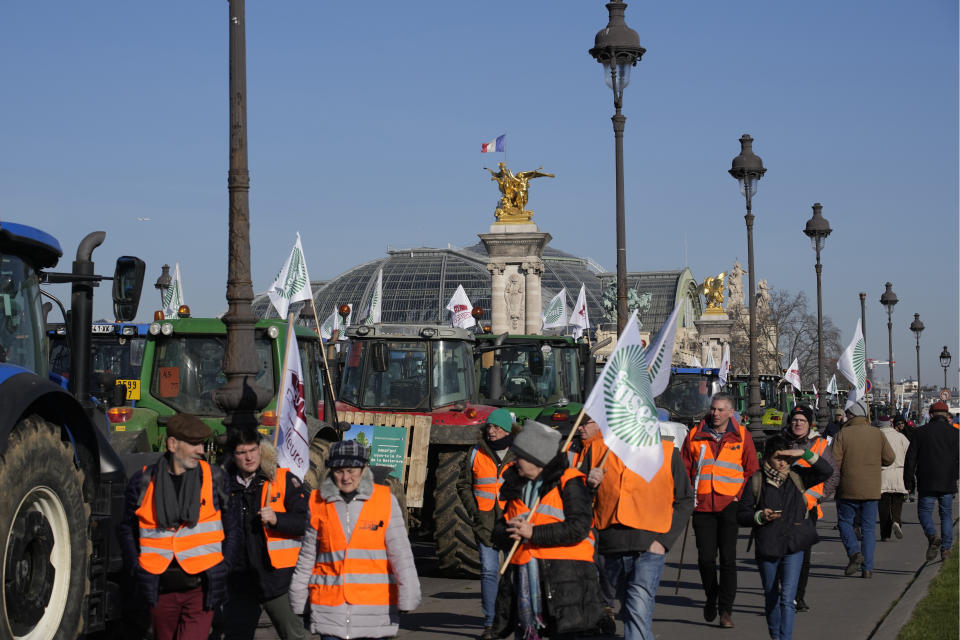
{"points": [[127, 284]]}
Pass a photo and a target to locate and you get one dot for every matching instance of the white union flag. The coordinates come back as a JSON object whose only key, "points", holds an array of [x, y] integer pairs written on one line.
{"points": [[853, 365], [293, 448], [376, 301], [580, 317], [461, 311], [555, 314], [292, 283], [172, 297]]}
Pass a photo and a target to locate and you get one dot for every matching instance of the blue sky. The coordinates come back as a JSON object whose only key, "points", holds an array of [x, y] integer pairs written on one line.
{"points": [[365, 123]]}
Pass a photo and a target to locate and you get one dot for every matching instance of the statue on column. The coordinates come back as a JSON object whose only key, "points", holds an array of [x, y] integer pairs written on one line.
{"points": [[712, 290], [514, 192], [736, 286], [513, 295]]}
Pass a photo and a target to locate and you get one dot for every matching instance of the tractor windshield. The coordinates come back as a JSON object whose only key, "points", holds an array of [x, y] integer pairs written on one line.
{"points": [[21, 322], [535, 375], [113, 355], [687, 397]]}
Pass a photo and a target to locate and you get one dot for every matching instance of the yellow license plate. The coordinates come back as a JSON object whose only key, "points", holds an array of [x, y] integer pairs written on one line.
{"points": [[133, 388]]}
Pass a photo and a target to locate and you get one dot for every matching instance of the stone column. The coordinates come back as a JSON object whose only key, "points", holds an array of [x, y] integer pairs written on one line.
{"points": [[533, 323], [515, 268], [498, 312]]}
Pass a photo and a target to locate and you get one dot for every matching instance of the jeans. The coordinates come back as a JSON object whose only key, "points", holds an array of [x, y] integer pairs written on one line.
{"points": [[805, 569], [489, 575], [636, 577], [717, 531], [779, 579], [925, 511], [867, 510]]}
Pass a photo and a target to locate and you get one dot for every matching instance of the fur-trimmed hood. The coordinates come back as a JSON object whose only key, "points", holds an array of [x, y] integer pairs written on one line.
{"points": [[268, 460], [330, 492]]}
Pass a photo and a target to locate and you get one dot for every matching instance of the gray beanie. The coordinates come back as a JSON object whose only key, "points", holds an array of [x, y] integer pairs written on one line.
{"points": [[537, 443], [858, 408]]}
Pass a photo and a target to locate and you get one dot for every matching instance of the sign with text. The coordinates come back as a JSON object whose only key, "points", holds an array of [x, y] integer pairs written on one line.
{"points": [[387, 445]]}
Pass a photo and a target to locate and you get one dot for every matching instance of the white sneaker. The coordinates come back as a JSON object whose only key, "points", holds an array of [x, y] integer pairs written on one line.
{"points": [[897, 531]]}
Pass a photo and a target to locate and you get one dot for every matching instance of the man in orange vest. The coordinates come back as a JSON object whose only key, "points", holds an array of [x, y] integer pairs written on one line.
{"points": [[355, 572], [172, 534], [270, 509], [719, 455], [478, 485]]}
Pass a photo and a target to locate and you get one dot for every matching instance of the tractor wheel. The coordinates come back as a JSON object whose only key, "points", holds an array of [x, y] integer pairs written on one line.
{"points": [[456, 543], [381, 475], [43, 529], [319, 450]]}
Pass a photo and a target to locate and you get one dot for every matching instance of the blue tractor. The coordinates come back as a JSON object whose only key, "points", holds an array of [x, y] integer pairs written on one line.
{"points": [[61, 483]]}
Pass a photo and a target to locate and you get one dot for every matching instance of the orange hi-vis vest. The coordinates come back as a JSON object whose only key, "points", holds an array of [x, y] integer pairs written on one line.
{"points": [[283, 549], [196, 548], [722, 475], [486, 479], [549, 511], [355, 571], [627, 499], [814, 494]]}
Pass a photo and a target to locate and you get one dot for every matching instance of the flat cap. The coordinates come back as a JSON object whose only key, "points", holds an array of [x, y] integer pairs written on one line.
{"points": [[188, 428], [347, 453]]}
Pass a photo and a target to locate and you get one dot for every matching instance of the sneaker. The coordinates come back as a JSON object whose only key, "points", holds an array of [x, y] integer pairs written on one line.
{"points": [[898, 530], [856, 560], [710, 610], [945, 554], [801, 606], [933, 548]]}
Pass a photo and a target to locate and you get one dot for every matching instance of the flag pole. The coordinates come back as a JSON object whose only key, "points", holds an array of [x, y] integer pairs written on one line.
{"points": [[323, 348]]}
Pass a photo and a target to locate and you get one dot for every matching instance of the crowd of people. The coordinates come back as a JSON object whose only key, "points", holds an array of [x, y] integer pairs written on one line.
{"points": [[209, 548]]}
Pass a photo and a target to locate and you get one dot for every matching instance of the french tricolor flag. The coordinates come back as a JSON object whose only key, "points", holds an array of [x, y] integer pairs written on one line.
{"points": [[494, 145]]}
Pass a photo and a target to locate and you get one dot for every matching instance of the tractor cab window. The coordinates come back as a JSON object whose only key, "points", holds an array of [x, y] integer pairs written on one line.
{"points": [[452, 372], [688, 396], [21, 323], [312, 364], [537, 375]]}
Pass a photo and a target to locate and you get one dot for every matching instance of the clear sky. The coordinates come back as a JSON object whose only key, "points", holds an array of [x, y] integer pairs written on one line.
{"points": [[366, 119]]}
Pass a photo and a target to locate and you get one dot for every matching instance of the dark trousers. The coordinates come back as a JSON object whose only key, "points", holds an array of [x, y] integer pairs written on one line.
{"points": [[715, 532], [180, 616], [805, 568], [891, 505]]}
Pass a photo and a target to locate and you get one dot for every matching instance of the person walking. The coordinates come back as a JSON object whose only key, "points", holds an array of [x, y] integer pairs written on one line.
{"points": [[638, 522], [479, 485], [933, 460], [172, 534], [801, 433], [839, 417], [859, 450], [719, 455], [893, 489], [355, 570], [550, 588], [774, 505], [271, 507]]}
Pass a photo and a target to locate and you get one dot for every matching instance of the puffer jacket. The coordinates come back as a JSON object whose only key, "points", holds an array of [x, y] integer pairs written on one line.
{"points": [[570, 591], [357, 621], [891, 476]]}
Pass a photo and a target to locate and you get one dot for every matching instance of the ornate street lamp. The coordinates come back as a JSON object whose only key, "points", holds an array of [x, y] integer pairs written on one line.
{"points": [[944, 362], [617, 48], [889, 300], [817, 230], [164, 280], [748, 168], [240, 398], [917, 327]]}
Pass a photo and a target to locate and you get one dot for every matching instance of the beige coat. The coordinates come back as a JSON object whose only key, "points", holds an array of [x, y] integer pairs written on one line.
{"points": [[892, 475], [860, 451]]}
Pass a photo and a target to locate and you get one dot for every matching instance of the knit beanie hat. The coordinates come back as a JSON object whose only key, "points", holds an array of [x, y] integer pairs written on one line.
{"points": [[537, 443], [858, 408], [883, 421], [803, 410], [501, 418]]}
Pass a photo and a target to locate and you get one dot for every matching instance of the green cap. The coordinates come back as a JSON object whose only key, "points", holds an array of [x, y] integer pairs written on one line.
{"points": [[501, 418]]}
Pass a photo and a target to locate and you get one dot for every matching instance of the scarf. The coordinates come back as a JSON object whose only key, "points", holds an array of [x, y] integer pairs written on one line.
{"points": [[773, 476], [501, 444], [173, 507], [527, 584]]}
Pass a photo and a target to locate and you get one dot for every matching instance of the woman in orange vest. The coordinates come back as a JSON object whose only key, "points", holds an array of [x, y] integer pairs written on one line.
{"points": [[355, 573], [550, 588]]}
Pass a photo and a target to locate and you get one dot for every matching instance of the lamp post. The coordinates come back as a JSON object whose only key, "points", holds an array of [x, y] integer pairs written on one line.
{"points": [[917, 327], [748, 168], [240, 398], [817, 230], [944, 362], [889, 300], [617, 48]]}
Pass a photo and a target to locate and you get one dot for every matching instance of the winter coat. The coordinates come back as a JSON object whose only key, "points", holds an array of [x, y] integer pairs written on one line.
{"points": [[860, 450], [794, 530], [483, 521], [933, 459], [249, 555], [830, 484], [146, 584], [357, 621], [891, 476], [569, 589]]}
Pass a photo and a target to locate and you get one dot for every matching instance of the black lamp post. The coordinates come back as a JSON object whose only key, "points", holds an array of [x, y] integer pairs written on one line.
{"points": [[889, 300], [817, 230], [944, 362], [240, 398], [617, 48], [917, 327], [748, 168]]}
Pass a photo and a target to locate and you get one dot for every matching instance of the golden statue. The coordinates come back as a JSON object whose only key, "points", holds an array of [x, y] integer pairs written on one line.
{"points": [[514, 189], [712, 290]]}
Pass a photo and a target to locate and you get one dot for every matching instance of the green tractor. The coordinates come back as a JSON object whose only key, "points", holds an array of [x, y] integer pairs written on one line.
{"points": [[776, 399]]}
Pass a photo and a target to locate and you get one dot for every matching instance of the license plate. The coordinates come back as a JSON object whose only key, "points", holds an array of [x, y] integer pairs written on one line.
{"points": [[133, 388], [101, 328]]}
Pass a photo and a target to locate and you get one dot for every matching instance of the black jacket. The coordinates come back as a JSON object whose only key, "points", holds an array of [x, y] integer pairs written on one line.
{"points": [[570, 591], [933, 459], [483, 521], [793, 531]]}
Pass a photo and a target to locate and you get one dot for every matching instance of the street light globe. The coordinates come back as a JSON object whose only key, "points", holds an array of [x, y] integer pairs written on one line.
{"points": [[818, 228], [889, 298], [916, 326], [617, 48], [945, 357], [747, 167]]}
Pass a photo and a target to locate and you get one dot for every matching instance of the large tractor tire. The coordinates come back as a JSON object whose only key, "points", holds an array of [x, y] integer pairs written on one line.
{"points": [[457, 550], [44, 522], [319, 451]]}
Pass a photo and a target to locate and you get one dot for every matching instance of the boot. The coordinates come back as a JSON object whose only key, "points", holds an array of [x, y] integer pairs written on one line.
{"points": [[856, 560], [800, 605], [933, 548]]}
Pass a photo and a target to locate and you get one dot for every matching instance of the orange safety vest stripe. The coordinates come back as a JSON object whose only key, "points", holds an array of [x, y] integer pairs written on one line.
{"points": [[626, 498], [487, 480], [814, 494], [355, 571], [722, 475], [549, 511], [282, 549], [196, 548]]}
